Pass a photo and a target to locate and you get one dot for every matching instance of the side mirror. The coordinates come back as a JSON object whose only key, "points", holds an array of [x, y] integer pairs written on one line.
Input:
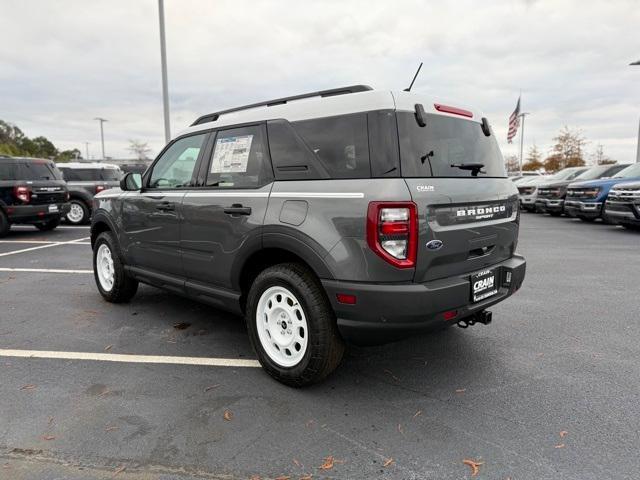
{"points": [[131, 182]]}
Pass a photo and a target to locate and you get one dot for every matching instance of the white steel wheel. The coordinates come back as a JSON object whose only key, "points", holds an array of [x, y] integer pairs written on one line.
{"points": [[76, 213], [282, 326], [104, 267]]}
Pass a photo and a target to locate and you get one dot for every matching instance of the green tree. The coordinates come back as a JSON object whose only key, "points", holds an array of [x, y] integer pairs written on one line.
{"points": [[69, 155]]}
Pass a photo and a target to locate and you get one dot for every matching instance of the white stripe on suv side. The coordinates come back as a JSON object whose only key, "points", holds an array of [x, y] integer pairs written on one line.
{"points": [[318, 194]]}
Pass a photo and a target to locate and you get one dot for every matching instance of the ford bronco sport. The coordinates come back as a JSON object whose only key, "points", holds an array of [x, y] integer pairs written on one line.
{"points": [[346, 214], [32, 192]]}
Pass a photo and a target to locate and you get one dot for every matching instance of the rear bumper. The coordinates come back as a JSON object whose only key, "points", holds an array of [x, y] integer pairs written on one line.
{"points": [[576, 208], [36, 213], [555, 205], [387, 312]]}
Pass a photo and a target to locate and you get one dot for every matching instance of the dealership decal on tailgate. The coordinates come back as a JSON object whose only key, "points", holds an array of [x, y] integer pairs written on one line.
{"points": [[483, 285]]}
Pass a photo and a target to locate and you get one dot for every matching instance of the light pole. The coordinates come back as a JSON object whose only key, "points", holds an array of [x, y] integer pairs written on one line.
{"points": [[163, 62], [101, 120], [86, 147], [638, 147], [522, 115]]}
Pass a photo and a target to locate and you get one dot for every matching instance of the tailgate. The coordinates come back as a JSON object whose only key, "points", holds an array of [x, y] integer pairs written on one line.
{"points": [[476, 219]]}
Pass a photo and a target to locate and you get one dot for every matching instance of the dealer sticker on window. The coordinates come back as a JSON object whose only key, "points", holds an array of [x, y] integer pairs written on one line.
{"points": [[231, 154], [483, 285]]}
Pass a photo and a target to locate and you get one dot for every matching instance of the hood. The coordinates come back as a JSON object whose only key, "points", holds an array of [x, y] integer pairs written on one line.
{"points": [[628, 185], [603, 182], [559, 183]]}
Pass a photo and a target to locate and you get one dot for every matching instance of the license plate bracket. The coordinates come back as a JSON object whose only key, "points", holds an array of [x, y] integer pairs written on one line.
{"points": [[484, 285], [53, 208]]}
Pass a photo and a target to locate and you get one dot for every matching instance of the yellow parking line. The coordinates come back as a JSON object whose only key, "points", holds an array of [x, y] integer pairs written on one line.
{"points": [[125, 358]]}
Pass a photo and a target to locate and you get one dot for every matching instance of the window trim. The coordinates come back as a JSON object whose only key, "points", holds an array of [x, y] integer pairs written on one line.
{"points": [[146, 178], [205, 164]]}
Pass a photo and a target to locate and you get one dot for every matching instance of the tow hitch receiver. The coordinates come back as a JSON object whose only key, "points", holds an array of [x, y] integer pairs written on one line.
{"points": [[483, 317]]}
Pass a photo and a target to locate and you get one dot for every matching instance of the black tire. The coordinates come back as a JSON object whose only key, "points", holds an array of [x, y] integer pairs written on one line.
{"points": [[48, 225], [86, 213], [631, 226], [124, 287], [325, 347], [5, 226], [555, 214], [586, 219]]}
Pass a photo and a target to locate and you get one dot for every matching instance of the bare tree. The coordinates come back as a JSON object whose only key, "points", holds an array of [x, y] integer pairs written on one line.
{"points": [[568, 150], [533, 161], [139, 149], [599, 158], [512, 164]]}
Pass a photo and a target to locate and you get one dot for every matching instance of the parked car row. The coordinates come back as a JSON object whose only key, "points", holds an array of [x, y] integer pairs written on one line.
{"points": [[38, 192], [607, 192]]}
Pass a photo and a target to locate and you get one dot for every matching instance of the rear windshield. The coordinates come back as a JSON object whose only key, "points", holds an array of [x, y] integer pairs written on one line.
{"points": [[629, 172], [90, 174], [29, 171], [431, 151]]}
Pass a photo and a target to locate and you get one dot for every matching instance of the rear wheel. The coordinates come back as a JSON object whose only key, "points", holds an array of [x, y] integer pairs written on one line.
{"points": [[631, 226], [111, 279], [5, 226], [586, 219], [48, 225], [78, 213], [555, 214], [292, 327]]}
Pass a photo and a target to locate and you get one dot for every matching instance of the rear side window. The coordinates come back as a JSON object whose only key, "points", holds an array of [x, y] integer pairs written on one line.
{"points": [[89, 174], [239, 159], [340, 143], [38, 170], [431, 151]]}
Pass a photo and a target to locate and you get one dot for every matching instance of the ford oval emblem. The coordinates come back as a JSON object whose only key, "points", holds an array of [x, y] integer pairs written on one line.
{"points": [[434, 245]]}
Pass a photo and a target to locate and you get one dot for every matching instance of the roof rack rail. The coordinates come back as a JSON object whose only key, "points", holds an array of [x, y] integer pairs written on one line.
{"points": [[212, 117]]}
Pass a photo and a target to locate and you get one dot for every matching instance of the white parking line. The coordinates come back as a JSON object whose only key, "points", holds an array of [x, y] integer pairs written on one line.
{"points": [[38, 242], [124, 358], [43, 270], [55, 244]]}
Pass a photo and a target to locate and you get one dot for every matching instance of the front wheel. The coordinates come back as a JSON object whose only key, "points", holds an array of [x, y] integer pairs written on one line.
{"points": [[631, 226], [5, 226], [111, 279], [292, 327], [48, 225]]}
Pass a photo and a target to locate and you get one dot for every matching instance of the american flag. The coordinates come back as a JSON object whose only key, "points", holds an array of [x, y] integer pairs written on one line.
{"points": [[514, 122]]}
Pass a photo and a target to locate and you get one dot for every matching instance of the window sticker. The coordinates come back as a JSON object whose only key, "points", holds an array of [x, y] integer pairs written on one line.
{"points": [[231, 154]]}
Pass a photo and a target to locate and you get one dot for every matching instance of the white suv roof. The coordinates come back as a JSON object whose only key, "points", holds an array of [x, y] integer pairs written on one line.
{"points": [[327, 103], [96, 165]]}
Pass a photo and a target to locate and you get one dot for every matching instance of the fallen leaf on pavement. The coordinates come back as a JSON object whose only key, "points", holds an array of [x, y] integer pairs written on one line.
{"points": [[228, 415], [254, 477], [120, 469], [306, 477], [28, 387], [282, 477], [563, 433], [211, 387], [48, 437], [387, 462], [561, 445], [110, 428], [50, 421], [461, 390], [309, 423], [298, 464], [6, 465], [400, 429], [417, 414], [181, 326], [473, 465], [328, 463], [107, 348]]}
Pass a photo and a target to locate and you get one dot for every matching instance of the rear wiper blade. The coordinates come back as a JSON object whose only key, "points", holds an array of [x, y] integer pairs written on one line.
{"points": [[474, 167]]}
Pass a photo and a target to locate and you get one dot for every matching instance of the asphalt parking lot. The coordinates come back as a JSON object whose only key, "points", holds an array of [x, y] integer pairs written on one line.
{"points": [[550, 390]]}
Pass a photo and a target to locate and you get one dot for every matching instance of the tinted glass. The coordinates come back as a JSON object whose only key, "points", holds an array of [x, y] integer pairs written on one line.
{"points": [[593, 173], [239, 159], [38, 171], [8, 171], [175, 167], [110, 174], [383, 144], [431, 151], [629, 172], [568, 173], [340, 143]]}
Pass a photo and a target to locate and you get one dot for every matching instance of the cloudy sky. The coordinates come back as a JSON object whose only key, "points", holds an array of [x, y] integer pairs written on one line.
{"points": [[63, 63]]}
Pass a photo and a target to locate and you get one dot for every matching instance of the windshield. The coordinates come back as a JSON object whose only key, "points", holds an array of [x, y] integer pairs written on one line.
{"points": [[593, 173], [433, 150], [629, 172], [568, 173]]}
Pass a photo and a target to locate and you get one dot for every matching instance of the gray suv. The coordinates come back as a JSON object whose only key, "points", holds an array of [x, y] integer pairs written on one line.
{"points": [[84, 180], [342, 215]]}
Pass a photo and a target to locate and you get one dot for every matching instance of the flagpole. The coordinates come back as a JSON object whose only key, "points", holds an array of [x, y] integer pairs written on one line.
{"points": [[522, 115]]}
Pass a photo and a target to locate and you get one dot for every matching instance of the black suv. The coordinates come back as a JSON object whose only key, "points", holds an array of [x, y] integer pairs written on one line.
{"points": [[32, 191], [84, 180]]}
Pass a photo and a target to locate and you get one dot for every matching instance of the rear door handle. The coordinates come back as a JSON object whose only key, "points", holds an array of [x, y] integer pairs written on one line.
{"points": [[237, 209], [166, 207]]}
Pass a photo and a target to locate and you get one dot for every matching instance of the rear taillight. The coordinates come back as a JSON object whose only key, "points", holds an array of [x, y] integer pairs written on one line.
{"points": [[22, 193], [100, 188], [392, 232]]}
